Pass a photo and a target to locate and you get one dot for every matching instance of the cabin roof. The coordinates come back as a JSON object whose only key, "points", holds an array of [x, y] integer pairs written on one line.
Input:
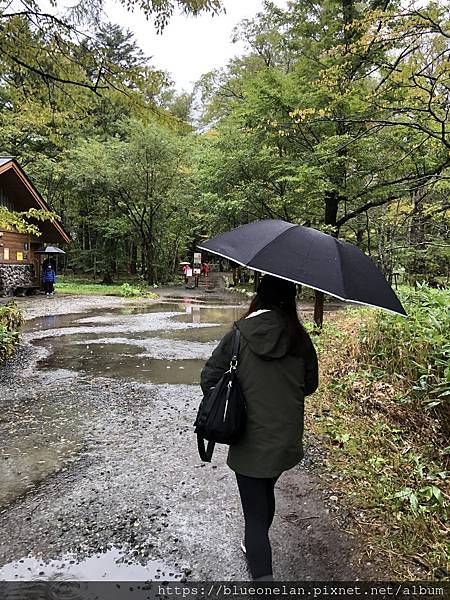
{"points": [[25, 195]]}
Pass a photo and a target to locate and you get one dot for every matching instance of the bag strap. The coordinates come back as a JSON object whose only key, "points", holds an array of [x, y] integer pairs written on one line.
{"points": [[205, 453], [235, 347]]}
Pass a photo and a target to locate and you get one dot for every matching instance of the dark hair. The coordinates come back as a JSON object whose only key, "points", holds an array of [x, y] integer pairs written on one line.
{"points": [[278, 294]]}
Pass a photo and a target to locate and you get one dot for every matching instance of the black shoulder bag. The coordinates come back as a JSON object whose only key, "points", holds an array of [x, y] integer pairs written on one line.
{"points": [[222, 414]]}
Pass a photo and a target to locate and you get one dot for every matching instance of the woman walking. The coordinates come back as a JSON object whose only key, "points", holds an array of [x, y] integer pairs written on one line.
{"points": [[277, 369]]}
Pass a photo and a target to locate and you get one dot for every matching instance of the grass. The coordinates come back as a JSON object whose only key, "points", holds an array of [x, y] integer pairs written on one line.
{"points": [[80, 286], [391, 453]]}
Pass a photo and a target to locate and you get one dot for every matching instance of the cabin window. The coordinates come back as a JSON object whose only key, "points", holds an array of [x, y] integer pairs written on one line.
{"points": [[5, 253], [19, 256]]}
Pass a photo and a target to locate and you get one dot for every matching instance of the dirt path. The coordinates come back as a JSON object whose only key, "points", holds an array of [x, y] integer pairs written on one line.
{"points": [[94, 460]]}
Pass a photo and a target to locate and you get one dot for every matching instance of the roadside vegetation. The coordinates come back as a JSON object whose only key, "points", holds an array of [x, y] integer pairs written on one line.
{"points": [[84, 286], [382, 412], [11, 320]]}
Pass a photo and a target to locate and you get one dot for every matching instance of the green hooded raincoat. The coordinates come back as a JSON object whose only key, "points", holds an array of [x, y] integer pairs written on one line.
{"points": [[274, 384]]}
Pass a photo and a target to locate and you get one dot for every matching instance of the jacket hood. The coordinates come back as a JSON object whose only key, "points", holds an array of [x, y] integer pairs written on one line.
{"points": [[266, 334]]}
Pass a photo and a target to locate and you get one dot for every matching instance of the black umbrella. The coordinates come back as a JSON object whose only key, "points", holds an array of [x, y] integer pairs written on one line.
{"points": [[308, 257]]}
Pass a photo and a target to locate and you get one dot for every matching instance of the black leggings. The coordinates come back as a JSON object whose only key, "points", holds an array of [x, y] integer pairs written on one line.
{"points": [[258, 505]]}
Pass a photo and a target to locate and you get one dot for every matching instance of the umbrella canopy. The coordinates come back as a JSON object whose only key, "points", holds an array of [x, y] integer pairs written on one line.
{"points": [[184, 263], [49, 250], [308, 257]]}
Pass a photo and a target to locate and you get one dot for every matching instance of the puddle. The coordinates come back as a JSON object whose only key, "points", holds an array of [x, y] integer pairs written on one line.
{"points": [[73, 319], [37, 439], [194, 334], [151, 308], [112, 565], [51, 322], [121, 361], [163, 343], [200, 314], [195, 300]]}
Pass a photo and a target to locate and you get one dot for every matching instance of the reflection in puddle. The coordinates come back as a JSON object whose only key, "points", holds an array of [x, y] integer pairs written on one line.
{"points": [[51, 322], [112, 565], [200, 314], [122, 361], [196, 334]]}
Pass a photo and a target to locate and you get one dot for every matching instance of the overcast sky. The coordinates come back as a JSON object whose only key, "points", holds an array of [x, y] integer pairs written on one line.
{"points": [[189, 46]]}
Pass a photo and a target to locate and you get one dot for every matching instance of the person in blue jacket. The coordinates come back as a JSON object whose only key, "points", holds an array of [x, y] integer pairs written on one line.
{"points": [[49, 280]]}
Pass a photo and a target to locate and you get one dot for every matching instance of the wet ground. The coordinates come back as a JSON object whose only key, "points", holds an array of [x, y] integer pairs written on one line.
{"points": [[98, 462]]}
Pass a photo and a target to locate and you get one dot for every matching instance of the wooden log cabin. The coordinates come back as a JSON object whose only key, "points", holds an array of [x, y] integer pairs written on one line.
{"points": [[20, 267]]}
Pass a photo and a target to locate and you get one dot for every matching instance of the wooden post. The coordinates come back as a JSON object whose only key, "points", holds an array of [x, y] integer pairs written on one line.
{"points": [[318, 309], [256, 280]]}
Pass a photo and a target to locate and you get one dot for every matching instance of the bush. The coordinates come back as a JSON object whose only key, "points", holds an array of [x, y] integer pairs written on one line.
{"points": [[131, 291], [383, 437], [415, 350], [11, 320]]}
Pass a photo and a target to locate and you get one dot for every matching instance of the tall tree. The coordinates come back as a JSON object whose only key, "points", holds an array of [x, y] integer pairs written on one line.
{"points": [[62, 35], [142, 180], [351, 99]]}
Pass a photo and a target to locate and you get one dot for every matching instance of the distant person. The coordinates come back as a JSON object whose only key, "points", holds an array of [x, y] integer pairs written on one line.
{"points": [[49, 261], [49, 280], [186, 268], [277, 368]]}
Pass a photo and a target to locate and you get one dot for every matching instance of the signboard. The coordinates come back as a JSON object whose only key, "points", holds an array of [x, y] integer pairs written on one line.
{"points": [[197, 258], [196, 271]]}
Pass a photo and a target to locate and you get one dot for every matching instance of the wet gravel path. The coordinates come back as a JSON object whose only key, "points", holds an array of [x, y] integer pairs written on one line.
{"points": [[115, 465]]}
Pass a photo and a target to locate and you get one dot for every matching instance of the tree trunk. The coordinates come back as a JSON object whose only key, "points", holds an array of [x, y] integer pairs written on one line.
{"points": [[331, 211], [150, 271], [133, 259], [318, 309], [143, 261], [417, 232], [331, 208]]}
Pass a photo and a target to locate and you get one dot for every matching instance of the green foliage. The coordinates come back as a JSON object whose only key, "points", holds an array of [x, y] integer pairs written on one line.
{"points": [[55, 49], [130, 291], [329, 120], [11, 320], [20, 221], [415, 350], [137, 189], [332, 120], [391, 455], [83, 286]]}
